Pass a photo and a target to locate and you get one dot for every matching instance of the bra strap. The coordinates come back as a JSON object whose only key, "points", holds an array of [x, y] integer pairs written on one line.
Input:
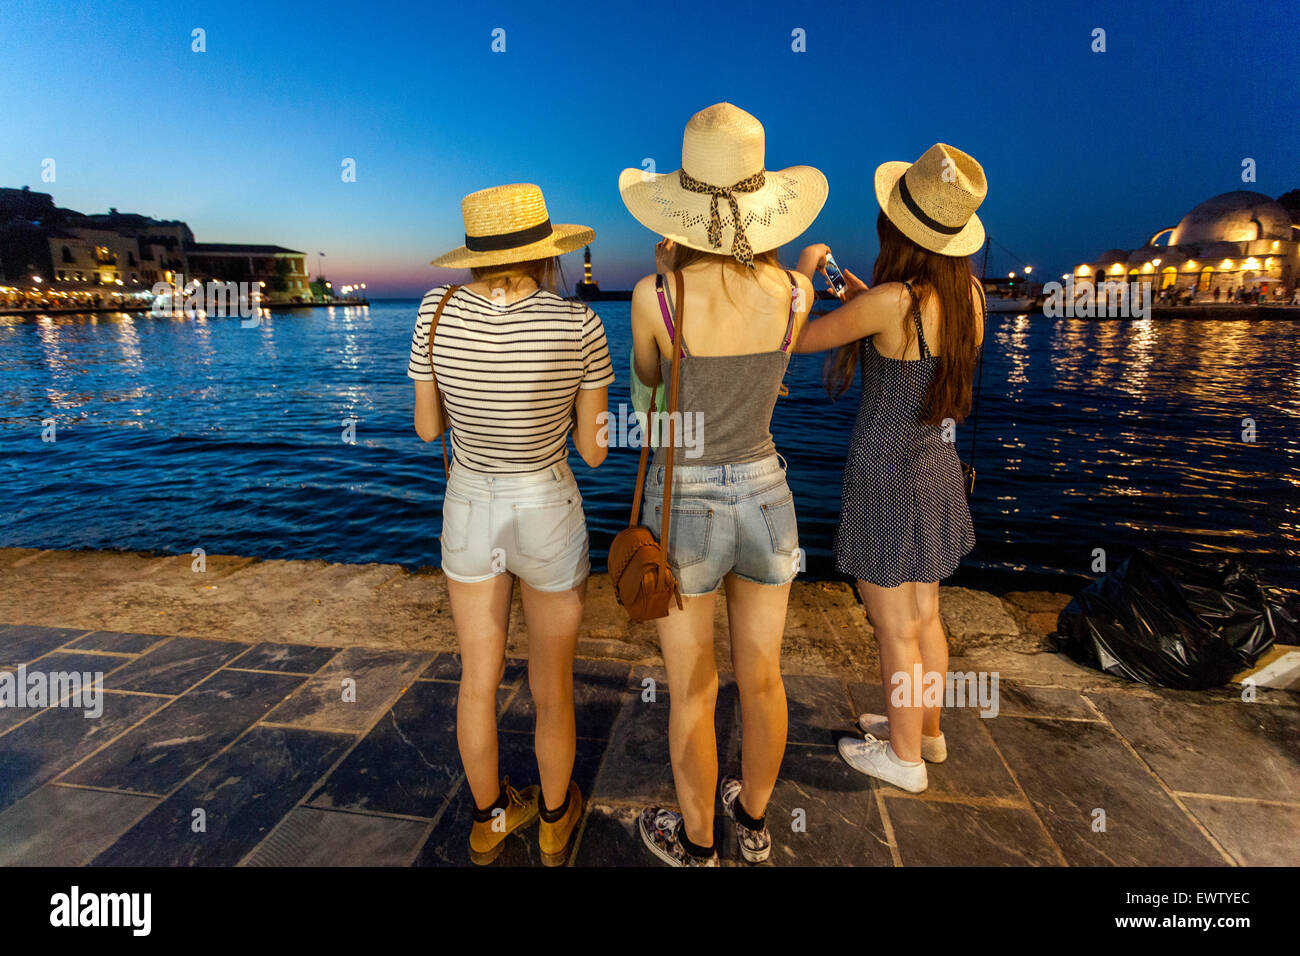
{"points": [[665, 310]]}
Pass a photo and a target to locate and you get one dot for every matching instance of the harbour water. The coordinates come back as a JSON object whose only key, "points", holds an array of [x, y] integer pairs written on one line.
{"points": [[173, 434]]}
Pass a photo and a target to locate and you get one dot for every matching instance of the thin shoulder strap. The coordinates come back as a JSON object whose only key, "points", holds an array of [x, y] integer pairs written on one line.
{"points": [[442, 408], [916, 320], [794, 300], [665, 309]]}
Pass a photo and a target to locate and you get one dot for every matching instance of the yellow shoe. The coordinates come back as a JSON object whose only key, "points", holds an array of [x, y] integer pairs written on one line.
{"points": [[488, 837], [555, 839]]}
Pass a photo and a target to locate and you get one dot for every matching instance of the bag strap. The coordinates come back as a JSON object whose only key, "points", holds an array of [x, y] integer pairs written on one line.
{"points": [[650, 417], [672, 404], [442, 408]]}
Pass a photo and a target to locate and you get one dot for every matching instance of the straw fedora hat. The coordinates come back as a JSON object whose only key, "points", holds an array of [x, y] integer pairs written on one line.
{"points": [[724, 199], [510, 224], [933, 200]]}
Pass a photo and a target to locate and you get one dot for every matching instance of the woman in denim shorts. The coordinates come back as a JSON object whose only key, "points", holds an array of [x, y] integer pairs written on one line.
{"points": [[518, 368], [733, 519]]}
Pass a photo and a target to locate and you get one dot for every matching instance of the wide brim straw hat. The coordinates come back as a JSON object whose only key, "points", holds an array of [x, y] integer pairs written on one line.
{"points": [[723, 160], [933, 200], [508, 224]]}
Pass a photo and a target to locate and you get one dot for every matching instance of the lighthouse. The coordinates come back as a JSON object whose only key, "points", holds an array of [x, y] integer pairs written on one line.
{"points": [[587, 288]]}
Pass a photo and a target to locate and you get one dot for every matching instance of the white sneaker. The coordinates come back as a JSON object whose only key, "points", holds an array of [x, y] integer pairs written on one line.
{"points": [[933, 749], [877, 759]]}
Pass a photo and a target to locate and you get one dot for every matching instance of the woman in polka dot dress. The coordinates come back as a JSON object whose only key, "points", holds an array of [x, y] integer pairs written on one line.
{"points": [[904, 521]]}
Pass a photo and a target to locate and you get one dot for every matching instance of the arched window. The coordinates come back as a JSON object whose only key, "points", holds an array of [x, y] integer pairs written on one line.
{"points": [[1168, 277], [1206, 277]]}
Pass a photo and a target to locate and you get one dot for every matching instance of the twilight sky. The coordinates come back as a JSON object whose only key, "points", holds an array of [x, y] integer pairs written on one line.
{"points": [[1083, 151]]}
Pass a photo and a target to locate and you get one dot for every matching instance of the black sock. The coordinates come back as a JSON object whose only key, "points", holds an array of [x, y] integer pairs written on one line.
{"points": [[699, 852], [750, 823], [554, 816], [483, 816]]}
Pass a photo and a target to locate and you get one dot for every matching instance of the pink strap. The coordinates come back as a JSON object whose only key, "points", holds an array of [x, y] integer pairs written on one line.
{"points": [[667, 312]]}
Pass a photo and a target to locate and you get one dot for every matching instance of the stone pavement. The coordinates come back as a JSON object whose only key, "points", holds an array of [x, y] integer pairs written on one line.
{"points": [[286, 772]]}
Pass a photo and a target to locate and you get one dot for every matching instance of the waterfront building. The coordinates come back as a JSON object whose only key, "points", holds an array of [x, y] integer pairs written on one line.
{"points": [[51, 257], [1239, 240]]}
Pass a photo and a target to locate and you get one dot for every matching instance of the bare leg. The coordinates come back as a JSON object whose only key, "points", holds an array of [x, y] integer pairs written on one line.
{"points": [[757, 616], [482, 615], [934, 648], [686, 640], [553, 619], [897, 621]]}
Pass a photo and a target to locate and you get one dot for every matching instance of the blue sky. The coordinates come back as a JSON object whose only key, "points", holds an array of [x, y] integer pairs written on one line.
{"points": [[1083, 151]]}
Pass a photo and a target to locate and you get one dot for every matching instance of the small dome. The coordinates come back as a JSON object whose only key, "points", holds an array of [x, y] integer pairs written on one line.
{"points": [[1140, 257], [1233, 217], [1112, 256]]}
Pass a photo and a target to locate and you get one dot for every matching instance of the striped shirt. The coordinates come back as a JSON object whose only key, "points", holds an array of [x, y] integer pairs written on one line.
{"points": [[509, 374]]}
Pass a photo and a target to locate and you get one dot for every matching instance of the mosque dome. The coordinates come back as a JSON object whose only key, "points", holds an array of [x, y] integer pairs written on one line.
{"points": [[1111, 256], [1239, 216]]}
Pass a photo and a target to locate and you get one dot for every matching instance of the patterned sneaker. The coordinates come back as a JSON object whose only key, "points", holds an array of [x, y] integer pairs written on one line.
{"points": [[755, 845], [659, 829], [933, 749], [488, 837], [876, 759]]}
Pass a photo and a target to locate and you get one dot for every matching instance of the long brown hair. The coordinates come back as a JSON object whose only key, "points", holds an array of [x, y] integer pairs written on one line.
{"points": [[684, 256], [931, 274]]}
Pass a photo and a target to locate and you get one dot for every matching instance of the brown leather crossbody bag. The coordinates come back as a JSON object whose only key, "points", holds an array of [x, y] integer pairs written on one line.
{"points": [[638, 564]]}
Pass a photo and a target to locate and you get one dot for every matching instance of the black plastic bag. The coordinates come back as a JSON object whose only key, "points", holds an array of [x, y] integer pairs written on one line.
{"points": [[1176, 622]]}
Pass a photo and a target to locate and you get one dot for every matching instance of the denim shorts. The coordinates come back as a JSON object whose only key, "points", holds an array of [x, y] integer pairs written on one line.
{"points": [[727, 519], [529, 525]]}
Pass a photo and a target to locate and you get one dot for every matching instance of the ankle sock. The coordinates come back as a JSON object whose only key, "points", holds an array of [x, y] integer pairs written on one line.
{"points": [[483, 816], [743, 818], [899, 760], [694, 849], [554, 816]]}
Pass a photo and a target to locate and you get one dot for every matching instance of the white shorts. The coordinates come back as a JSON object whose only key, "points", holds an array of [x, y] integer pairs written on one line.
{"points": [[529, 525]]}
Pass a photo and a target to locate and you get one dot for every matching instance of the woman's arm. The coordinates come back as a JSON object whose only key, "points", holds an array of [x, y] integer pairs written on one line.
{"points": [[866, 312], [645, 319], [589, 423], [428, 416]]}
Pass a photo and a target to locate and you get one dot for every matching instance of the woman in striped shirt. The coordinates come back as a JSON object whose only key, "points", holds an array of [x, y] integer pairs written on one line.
{"points": [[515, 369]]}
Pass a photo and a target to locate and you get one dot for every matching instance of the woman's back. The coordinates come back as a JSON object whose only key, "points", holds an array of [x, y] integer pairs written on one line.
{"points": [[736, 339]]}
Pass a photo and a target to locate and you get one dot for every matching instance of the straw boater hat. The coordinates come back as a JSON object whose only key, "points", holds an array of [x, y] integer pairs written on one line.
{"points": [[933, 200], [723, 199], [510, 224]]}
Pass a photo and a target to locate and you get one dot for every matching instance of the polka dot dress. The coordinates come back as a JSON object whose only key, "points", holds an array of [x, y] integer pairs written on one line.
{"points": [[903, 514]]}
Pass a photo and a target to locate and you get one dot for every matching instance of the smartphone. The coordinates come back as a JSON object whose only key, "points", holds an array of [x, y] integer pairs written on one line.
{"points": [[834, 276]]}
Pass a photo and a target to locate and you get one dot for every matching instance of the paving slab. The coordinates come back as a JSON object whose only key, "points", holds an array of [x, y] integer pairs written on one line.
{"points": [[285, 658], [174, 666], [242, 795], [180, 738], [378, 678], [1071, 768], [1235, 749], [20, 644], [35, 752], [942, 833], [318, 838], [1255, 833], [88, 821]]}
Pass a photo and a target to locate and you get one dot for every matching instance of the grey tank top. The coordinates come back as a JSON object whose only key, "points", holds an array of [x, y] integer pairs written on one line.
{"points": [[725, 401], [726, 404]]}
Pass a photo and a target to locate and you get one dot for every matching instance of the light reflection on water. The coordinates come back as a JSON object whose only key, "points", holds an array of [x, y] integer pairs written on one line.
{"points": [[177, 433]]}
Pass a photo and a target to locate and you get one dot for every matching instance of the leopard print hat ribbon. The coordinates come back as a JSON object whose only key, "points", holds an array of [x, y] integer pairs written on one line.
{"points": [[740, 248]]}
